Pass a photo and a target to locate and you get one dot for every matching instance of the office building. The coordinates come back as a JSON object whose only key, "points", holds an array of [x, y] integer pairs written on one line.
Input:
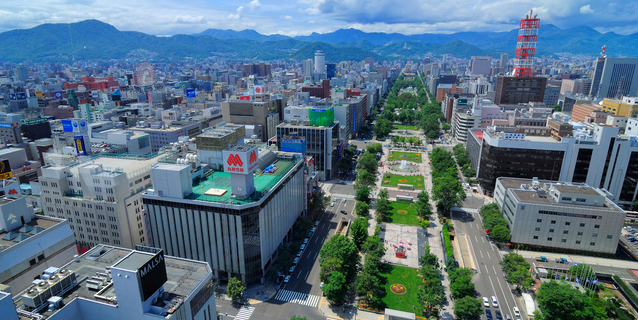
{"points": [[571, 217], [261, 69], [21, 168], [29, 243], [567, 101], [320, 62], [435, 81], [267, 114], [10, 133], [213, 140], [616, 78], [233, 219], [551, 95], [463, 122], [115, 283], [308, 66], [503, 61], [593, 154], [443, 89], [160, 134], [515, 90], [588, 112], [100, 197], [324, 142], [320, 92], [626, 107], [479, 87], [481, 65], [22, 73], [573, 86]]}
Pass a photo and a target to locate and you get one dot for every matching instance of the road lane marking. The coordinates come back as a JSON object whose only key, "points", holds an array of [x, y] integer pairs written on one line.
{"points": [[494, 270], [481, 254], [488, 255], [307, 273], [503, 291], [483, 239], [487, 271], [316, 255]]}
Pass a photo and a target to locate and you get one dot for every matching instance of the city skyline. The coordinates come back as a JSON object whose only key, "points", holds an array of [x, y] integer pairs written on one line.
{"points": [[302, 17]]}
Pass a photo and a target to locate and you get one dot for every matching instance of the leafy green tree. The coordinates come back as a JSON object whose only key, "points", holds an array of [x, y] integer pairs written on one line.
{"points": [[363, 195], [359, 231], [462, 287], [557, 108], [367, 285], [446, 126], [468, 308], [511, 261], [365, 180], [384, 126], [521, 278], [431, 295], [298, 318], [456, 273], [425, 224], [339, 249], [448, 193], [234, 288], [336, 288], [469, 172], [362, 209], [500, 234], [634, 206], [423, 196], [374, 148], [423, 209], [368, 162], [383, 194], [489, 208], [493, 220], [563, 302], [428, 258]]}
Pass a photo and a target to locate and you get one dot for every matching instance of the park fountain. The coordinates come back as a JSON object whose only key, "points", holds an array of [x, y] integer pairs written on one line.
{"points": [[404, 165]]}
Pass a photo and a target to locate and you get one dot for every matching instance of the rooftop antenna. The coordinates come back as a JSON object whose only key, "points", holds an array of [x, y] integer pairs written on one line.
{"points": [[602, 54]]}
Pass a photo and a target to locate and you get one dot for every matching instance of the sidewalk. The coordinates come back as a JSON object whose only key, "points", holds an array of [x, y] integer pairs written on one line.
{"points": [[255, 294]]}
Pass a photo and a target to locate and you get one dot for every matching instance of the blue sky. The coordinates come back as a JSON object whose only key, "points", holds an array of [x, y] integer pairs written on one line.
{"points": [[302, 17]]}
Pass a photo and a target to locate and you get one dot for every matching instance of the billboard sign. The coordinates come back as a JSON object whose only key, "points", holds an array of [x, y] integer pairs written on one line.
{"points": [[190, 93], [6, 125], [13, 190], [240, 161], [33, 121], [79, 145], [152, 275], [74, 125], [58, 95], [293, 145], [5, 170], [244, 98], [67, 126], [38, 93], [115, 91], [31, 92]]}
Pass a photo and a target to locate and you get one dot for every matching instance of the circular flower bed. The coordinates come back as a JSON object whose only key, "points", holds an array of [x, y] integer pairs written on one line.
{"points": [[386, 181], [403, 180], [419, 185], [398, 289], [419, 179], [402, 212]]}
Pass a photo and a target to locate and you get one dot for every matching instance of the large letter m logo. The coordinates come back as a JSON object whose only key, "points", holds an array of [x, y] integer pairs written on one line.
{"points": [[252, 158], [234, 160]]}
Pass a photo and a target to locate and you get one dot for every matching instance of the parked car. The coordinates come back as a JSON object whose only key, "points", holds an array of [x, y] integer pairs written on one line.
{"points": [[486, 302], [344, 212], [295, 261], [516, 312], [488, 314], [291, 269], [494, 302], [499, 316], [305, 241], [286, 279], [303, 246]]}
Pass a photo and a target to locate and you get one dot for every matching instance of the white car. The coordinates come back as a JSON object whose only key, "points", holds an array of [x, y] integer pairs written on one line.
{"points": [[291, 269], [303, 246], [295, 261], [313, 229], [344, 200], [486, 302], [332, 204], [316, 223], [305, 240], [494, 302], [516, 312], [286, 279]]}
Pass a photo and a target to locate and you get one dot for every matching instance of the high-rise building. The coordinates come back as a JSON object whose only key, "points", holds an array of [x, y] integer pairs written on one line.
{"points": [[320, 62], [481, 65], [307, 67], [551, 95], [331, 70], [266, 114], [595, 155], [503, 62], [100, 198], [233, 219], [323, 141], [616, 78], [515, 90], [22, 73]]}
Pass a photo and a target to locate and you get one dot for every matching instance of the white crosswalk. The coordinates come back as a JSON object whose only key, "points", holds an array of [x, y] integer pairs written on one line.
{"points": [[244, 313], [298, 297]]}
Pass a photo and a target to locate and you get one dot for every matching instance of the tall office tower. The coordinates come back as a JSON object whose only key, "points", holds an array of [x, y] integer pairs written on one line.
{"points": [[526, 46], [320, 61], [331, 70], [307, 67], [370, 61], [22, 73], [481, 65], [616, 78], [503, 62], [598, 72]]}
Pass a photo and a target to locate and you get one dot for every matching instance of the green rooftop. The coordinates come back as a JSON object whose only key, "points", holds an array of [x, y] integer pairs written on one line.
{"points": [[221, 180]]}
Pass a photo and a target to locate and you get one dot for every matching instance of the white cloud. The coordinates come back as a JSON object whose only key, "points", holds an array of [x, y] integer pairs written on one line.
{"points": [[254, 4], [586, 9], [238, 14], [287, 17]]}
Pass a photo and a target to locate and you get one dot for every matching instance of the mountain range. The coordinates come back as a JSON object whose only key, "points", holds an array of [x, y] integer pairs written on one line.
{"points": [[93, 39]]}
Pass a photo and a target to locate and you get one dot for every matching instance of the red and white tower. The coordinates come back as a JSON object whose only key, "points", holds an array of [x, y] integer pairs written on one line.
{"points": [[526, 46]]}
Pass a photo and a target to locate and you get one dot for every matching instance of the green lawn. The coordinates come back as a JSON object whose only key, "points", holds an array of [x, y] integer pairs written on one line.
{"points": [[409, 156], [405, 126], [410, 218], [393, 180], [408, 277]]}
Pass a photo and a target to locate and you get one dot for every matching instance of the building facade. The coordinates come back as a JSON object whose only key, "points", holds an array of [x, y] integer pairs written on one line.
{"points": [[515, 90], [572, 217]]}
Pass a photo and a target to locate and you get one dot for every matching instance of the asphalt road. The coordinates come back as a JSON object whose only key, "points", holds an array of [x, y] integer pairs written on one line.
{"points": [[490, 279]]}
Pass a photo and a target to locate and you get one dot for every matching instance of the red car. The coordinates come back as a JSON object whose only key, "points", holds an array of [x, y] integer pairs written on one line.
{"points": [[487, 232]]}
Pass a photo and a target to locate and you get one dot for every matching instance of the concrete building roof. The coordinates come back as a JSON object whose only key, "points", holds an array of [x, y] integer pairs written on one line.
{"points": [[37, 225]]}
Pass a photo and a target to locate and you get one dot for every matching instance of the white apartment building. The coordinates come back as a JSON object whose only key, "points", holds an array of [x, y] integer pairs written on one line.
{"points": [[559, 215], [101, 198]]}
